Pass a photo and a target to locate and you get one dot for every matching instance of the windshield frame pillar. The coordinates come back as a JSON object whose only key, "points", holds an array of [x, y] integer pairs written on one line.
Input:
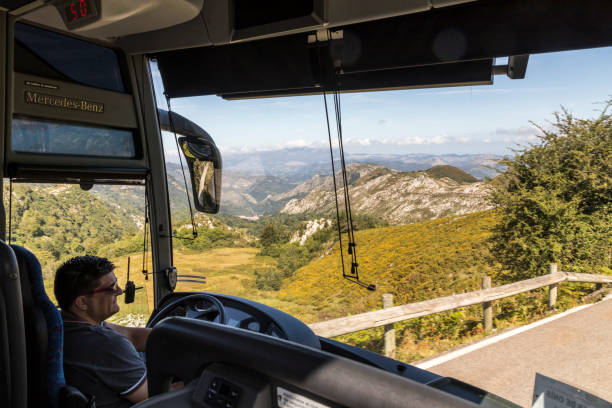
{"points": [[157, 189], [3, 103]]}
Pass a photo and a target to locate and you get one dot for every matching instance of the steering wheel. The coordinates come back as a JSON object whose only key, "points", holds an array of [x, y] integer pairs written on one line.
{"points": [[192, 310]]}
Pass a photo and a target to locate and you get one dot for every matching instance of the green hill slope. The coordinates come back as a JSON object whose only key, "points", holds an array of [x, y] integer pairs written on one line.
{"points": [[413, 262], [58, 221], [452, 173], [417, 262]]}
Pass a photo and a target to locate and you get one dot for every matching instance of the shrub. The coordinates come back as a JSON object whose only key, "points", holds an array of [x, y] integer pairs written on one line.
{"points": [[268, 279]]}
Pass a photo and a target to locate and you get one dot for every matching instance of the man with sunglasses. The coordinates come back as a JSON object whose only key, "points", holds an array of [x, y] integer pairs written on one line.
{"points": [[100, 358]]}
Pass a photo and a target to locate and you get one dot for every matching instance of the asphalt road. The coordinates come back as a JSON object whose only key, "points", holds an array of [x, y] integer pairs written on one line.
{"points": [[575, 349]]}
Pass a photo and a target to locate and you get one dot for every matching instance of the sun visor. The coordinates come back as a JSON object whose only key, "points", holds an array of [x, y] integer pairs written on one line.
{"points": [[440, 75], [41, 97], [441, 47], [71, 103], [273, 64]]}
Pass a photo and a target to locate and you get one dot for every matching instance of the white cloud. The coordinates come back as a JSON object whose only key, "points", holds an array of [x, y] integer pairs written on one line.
{"points": [[350, 142], [266, 148], [523, 134], [297, 143], [522, 131], [417, 140]]}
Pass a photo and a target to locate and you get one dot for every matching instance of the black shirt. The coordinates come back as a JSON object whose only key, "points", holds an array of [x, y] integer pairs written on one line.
{"points": [[101, 362]]}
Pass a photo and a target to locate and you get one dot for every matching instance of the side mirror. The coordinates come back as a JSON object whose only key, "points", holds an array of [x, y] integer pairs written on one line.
{"points": [[204, 162], [203, 159]]}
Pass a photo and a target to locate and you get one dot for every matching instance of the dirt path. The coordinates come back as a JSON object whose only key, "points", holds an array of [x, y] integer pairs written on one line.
{"points": [[575, 349]]}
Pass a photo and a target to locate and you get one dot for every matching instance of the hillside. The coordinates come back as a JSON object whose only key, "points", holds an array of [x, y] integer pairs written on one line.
{"points": [[451, 172], [57, 221], [131, 198], [245, 195], [397, 197], [60, 221], [413, 262]]}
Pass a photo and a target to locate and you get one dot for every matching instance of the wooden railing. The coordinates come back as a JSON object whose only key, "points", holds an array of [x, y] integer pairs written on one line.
{"points": [[389, 315]]}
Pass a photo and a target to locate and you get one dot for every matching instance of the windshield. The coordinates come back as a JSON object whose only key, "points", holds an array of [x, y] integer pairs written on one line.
{"points": [[451, 190], [441, 202]]}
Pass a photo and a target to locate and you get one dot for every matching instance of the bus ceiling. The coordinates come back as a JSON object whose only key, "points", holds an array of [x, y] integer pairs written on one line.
{"points": [[490, 28]]}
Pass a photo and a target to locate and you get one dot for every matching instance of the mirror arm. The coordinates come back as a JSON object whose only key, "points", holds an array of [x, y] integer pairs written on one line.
{"points": [[182, 125]]}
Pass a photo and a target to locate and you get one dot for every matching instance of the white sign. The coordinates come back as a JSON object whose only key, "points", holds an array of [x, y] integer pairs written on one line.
{"points": [[549, 393], [288, 399]]}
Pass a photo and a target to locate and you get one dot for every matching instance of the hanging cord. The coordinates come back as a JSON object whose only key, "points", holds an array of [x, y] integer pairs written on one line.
{"points": [[194, 231], [352, 246], [331, 153], [145, 247], [353, 276], [10, 209]]}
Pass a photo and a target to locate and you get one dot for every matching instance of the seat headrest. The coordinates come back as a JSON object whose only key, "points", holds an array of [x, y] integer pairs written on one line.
{"points": [[33, 274]]}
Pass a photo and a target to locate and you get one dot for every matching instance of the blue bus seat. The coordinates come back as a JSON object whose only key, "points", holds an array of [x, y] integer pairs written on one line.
{"points": [[44, 341], [13, 373], [44, 334]]}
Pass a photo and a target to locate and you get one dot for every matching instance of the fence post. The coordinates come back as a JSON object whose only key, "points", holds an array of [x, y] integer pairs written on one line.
{"points": [[487, 309], [552, 289], [389, 338]]}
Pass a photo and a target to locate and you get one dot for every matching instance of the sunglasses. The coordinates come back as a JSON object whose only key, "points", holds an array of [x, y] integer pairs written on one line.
{"points": [[114, 289]]}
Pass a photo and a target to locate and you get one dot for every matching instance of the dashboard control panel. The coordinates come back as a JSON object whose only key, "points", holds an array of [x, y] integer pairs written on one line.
{"points": [[223, 386], [222, 394]]}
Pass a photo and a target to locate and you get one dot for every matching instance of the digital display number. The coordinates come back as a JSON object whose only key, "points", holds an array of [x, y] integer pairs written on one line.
{"points": [[77, 10], [77, 13]]}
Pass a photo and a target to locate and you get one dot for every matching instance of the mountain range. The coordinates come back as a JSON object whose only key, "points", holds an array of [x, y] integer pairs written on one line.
{"points": [[300, 164], [261, 183], [395, 196]]}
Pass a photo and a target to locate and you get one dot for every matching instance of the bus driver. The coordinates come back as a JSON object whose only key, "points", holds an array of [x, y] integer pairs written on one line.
{"points": [[100, 358]]}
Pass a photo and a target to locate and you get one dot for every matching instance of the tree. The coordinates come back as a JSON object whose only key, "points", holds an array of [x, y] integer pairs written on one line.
{"points": [[270, 235], [292, 258], [554, 199], [268, 279]]}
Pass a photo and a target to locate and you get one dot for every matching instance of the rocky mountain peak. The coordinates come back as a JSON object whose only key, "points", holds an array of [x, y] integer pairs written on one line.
{"points": [[398, 197]]}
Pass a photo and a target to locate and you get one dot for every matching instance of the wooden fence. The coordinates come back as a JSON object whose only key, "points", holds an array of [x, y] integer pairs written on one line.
{"points": [[391, 314]]}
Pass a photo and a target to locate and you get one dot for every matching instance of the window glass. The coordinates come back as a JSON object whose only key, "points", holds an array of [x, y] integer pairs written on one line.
{"points": [[39, 136], [57, 222], [76, 60]]}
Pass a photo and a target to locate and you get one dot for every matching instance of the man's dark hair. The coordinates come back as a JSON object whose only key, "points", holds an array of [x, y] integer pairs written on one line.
{"points": [[79, 276]]}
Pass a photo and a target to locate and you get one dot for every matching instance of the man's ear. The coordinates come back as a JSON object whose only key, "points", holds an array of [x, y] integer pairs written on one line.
{"points": [[80, 303]]}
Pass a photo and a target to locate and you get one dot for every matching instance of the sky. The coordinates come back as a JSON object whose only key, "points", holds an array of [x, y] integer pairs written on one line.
{"points": [[484, 119]]}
